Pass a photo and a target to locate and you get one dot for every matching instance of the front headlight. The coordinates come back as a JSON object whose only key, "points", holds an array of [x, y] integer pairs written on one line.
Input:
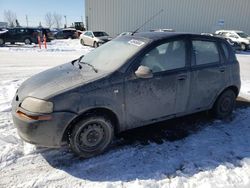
{"points": [[37, 105]]}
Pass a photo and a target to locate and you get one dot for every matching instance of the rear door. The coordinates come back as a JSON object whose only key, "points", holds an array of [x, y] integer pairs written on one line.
{"points": [[12, 35], [166, 93], [207, 73]]}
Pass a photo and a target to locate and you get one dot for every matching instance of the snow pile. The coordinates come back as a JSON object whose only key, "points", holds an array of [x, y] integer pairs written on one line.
{"points": [[212, 154], [62, 45]]}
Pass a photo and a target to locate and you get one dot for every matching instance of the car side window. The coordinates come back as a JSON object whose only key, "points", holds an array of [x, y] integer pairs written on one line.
{"points": [[89, 34], [205, 52], [167, 56]]}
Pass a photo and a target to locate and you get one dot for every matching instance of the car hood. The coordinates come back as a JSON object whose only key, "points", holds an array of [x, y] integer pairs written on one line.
{"points": [[57, 80]]}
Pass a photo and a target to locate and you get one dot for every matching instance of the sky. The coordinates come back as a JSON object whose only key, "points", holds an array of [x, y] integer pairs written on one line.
{"points": [[74, 10]]}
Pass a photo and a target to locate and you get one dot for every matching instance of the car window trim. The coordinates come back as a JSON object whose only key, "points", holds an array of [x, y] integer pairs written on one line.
{"points": [[212, 64]]}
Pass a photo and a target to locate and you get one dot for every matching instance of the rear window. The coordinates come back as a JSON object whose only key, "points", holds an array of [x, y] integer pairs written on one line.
{"points": [[205, 52]]}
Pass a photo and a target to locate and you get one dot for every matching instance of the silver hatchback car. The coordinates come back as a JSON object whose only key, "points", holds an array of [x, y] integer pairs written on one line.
{"points": [[131, 81]]}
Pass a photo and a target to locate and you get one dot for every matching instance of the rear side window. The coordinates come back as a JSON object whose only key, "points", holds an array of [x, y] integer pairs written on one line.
{"points": [[205, 52]]}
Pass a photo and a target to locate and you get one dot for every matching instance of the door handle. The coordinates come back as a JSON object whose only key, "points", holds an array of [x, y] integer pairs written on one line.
{"points": [[182, 77], [222, 69]]}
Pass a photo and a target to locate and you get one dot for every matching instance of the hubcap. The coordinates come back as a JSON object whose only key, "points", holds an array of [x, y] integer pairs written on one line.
{"points": [[27, 41], [243, 47], [91, 136], [226, 105]]}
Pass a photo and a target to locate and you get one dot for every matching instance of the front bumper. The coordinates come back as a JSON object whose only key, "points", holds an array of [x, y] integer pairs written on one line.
{"points": [[47, 133]]}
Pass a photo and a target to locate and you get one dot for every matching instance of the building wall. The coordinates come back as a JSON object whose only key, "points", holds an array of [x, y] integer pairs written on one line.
{"points": [[116, 16]]}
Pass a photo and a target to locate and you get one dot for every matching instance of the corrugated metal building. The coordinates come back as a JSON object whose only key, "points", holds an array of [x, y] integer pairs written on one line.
{"points": [[116, 16]]}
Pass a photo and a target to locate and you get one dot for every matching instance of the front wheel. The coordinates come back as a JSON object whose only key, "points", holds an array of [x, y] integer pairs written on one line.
{"points": [[82, 42], [243, 47], [224, 105], [91, 136], [95, 45]]}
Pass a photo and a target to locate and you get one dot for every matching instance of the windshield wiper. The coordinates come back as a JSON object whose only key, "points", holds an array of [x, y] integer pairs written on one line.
{"points": [[88, 65], [76, 60]]}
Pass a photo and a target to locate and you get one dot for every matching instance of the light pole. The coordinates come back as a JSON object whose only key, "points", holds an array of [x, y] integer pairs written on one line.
{"points": [[65, 17], [27, 21]]}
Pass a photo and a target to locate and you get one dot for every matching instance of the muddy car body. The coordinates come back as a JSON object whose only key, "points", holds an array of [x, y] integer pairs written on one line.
{"points": [[132, 81]]}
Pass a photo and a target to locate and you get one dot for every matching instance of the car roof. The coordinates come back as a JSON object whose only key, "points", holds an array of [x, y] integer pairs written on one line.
{"points": [[164, 35]]}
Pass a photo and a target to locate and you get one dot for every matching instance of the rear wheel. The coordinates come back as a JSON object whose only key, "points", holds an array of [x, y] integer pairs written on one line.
{"points": [[91, 136], [224, 105], [12, 42], [2, 42], [27, 41]]}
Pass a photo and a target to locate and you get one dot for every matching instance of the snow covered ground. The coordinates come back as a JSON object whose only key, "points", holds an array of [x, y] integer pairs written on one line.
{"points": [[193, 151]]}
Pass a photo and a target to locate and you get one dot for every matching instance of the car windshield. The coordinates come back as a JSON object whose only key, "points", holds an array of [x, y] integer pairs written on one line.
{"points": [[242, 35], [112, 55], [100, 34]]}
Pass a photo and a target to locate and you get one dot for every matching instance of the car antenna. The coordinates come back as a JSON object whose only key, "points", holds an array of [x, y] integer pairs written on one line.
{"points": [[151, 18]]}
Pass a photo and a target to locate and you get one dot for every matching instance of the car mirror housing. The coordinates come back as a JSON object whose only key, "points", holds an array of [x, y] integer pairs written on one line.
{"points": [[144, 72]]}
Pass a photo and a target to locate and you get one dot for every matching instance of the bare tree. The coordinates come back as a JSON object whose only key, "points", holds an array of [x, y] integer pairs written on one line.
{"points": [[57, 20], [49, 20], [10, 17]]}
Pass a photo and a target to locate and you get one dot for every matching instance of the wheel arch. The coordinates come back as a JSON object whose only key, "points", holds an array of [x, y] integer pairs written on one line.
{"points": [[100, 111], [232, 87]]}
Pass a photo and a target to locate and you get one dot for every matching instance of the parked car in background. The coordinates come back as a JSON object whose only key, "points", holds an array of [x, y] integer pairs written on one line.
{"points": [[207, 34], [234, 45], [47, 32], [79, 32], [236, 36], [162, 30], [131, 81], [68, 33], [54, 31], [94, 38], [124, 33], [20, 34]]}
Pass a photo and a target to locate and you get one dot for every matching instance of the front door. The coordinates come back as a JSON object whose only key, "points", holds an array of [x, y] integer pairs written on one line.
{"points": [[166, 93]]}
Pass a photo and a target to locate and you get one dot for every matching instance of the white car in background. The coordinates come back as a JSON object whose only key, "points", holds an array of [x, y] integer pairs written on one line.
{"points": [[236, 36], [94, 38]]}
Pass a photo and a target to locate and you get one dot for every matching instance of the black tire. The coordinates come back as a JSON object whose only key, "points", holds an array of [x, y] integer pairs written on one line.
{"points": [[27, 41], [2, 42], [82, 42], [224, 104], [243, 47], [95, 45], [91, 136], [12, 42]]}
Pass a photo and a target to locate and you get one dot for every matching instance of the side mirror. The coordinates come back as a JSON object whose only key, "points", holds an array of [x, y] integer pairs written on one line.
{"points": [[144, 72]]}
